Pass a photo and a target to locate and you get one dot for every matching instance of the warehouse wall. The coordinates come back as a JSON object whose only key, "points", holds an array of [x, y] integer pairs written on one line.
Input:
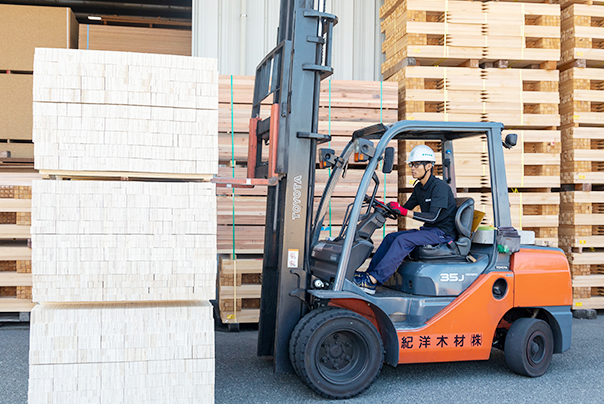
{"points": [[217, 33]]}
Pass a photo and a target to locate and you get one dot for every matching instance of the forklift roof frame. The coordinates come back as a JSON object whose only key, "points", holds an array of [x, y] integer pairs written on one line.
{"points": [[426, 130]]}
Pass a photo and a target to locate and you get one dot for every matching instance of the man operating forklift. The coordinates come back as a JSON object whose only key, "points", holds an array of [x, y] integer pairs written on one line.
{"points": [[437, 204]]}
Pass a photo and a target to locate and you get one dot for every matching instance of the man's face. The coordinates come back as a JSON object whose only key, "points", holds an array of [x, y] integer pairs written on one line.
{"points": [[418, 169]]}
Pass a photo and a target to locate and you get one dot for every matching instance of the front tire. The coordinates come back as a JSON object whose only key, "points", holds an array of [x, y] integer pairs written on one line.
{"points": [[338, 353], [529, 345]]}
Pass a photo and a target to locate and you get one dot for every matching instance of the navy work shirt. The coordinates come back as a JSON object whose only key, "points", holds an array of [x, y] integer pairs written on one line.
{"points": [[432, 196]]}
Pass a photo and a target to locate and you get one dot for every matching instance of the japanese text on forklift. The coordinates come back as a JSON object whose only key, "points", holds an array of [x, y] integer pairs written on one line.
{"points": [[447, 302]]}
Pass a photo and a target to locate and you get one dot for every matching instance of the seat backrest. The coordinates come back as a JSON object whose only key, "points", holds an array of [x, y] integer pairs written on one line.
{"points": [[464, 217]]}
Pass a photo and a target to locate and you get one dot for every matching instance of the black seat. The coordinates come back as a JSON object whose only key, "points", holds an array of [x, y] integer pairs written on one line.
{"points": [[460, 248]]}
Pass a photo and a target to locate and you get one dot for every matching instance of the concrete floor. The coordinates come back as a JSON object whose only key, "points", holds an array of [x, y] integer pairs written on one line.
{"points": [[576, 376]]}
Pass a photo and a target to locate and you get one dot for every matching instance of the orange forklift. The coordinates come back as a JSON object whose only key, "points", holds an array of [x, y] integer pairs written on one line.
{"points": [[450, 302]]}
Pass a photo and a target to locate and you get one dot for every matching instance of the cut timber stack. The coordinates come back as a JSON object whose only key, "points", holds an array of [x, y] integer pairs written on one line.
{"points": [[582, 237], [482, 62], [123, 270], [24, 28], [15, 255], [15, 252], [344, 107], [582, 167], [135, 39]]}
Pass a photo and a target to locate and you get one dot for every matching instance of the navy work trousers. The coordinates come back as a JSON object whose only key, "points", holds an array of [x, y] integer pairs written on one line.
{"points": [[396, 246]]}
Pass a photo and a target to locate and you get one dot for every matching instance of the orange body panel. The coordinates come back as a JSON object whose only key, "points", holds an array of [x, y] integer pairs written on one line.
{"points": [[542, 278], [472, 317]]}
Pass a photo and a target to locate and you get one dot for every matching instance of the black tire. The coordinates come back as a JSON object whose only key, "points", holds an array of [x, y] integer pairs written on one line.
{"points": [[339, 353], [293, 340], [529, 345]]}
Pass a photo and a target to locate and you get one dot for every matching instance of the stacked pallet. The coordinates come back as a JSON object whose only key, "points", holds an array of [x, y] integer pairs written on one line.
{"points": [[23, 29], [453, 33], [15, 253], [344, 107], [123, 270], [582, 169], [450, 60]]}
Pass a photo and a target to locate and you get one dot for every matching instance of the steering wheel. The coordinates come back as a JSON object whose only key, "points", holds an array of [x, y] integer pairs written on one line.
{"points": [[391, 213]]}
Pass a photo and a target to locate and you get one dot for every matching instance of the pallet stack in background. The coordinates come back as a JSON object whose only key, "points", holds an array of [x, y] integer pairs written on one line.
{"points": [[582, 177], [480, 62], [344, 107], [124, 228], [23, 28]]}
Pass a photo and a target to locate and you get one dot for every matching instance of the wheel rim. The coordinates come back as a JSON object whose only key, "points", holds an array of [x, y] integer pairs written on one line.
{"points": [[342, 356], [536, 347]]}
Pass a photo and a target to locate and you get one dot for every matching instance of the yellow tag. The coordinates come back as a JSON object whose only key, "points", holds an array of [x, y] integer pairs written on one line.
{"points": [[411, 118], [576, 116], [416, 50], [581, 177], [579, 53], [578, 304], [230, 316], [411, 181], [582, 242]]}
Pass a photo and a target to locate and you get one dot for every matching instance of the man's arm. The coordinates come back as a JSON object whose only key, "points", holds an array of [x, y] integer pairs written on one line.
{"points": [[427, 217]]}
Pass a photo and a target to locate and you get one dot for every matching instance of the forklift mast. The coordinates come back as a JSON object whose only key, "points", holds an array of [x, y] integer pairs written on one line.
{"points": [[292, 74]]}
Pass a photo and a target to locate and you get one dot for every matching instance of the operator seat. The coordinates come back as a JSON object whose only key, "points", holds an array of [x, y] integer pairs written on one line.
{"points": [[460, 248]]}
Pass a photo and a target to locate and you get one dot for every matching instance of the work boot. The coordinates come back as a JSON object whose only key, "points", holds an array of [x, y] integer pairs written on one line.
{"points": [[363, 281]]}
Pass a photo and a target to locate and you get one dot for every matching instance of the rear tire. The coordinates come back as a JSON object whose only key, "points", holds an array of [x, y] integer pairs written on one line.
{"points": [[529, 345], [338, 353]]}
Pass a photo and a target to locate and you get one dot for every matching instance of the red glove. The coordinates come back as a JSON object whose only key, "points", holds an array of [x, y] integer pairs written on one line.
{"points": [[395, 206]]}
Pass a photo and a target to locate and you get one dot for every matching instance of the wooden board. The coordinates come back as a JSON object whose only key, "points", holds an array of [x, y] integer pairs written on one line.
{"points": [[8, 305]]}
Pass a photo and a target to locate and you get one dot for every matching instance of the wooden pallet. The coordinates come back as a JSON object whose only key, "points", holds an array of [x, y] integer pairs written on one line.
{"points": [[583, 34], [581, 221], [449, 33], [245, 292], [515, 97], [15, 212]]}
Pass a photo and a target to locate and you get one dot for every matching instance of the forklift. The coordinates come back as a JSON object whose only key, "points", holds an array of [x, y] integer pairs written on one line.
{"points": [[450, 302]]}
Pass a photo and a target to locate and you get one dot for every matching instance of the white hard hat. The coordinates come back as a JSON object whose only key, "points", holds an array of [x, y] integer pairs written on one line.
{"points": [[421, 153]]}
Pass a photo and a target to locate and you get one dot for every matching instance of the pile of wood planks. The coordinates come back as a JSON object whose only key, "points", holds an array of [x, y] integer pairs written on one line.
{"points": [[454, 33], [344, 107], [582, 163], [123, 271], [15, 251], [483, 62]]}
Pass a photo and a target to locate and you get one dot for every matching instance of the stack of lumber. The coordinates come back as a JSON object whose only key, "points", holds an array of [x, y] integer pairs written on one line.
{"points": [[135, 39], [582, 168], [123, 270], [582, 237], [482, 62], [454, 33], [582, 34], [24, 28], [134, 112], [344, 107], [15, 253]]}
